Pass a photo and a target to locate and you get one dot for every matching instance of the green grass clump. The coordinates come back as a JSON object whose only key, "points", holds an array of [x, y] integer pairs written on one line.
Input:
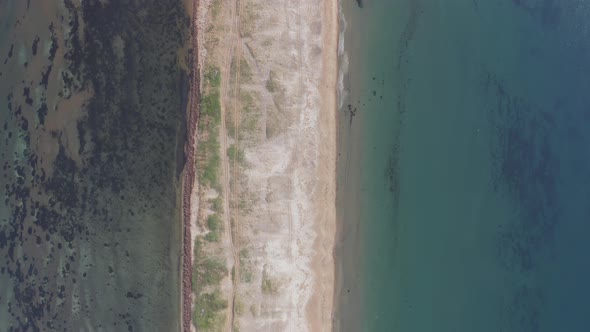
{"points": [[207, 270], [210, 271], [210, 110], [271, 84], [217, 204], [235, 154], [210, 175], [215, 8], [214, 222], [212, 236], [209, 160], [230, 126], [215, 227], [197, 252], [245, 268], [247, 101], [213, 77], [239, 308], [268, 286], [245, 71], [197, 249], [206, 315], [211, 106]]}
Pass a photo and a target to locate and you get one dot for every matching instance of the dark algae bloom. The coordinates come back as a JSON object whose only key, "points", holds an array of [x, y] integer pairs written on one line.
{"points": [[93, 96]]}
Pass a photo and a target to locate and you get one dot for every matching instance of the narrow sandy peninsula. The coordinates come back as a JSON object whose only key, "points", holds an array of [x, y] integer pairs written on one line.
{"points": [[260, 205]]}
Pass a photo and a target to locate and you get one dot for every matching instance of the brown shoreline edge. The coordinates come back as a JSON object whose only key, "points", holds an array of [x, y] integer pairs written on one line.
{"points": [[189, 172]]}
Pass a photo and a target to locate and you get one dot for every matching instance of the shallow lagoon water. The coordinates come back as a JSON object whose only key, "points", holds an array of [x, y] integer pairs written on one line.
{"points": [[91, 132]]}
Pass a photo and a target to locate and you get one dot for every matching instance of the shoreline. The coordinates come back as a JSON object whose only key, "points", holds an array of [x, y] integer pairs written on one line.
{"points": [[347, 314], [188, 178], [321, 305]]}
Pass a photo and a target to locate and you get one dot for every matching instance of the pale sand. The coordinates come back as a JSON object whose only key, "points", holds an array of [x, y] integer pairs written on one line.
{"points": [[321, 306]]}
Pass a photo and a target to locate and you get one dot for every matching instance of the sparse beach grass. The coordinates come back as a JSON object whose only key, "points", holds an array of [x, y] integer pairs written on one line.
{"points": [[208, 271], [208, 157], [269, 286], [215, 225], [207, 308]]}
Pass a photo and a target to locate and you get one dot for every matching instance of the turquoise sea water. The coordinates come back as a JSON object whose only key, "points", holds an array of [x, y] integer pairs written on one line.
{"points": [[467, 189]]}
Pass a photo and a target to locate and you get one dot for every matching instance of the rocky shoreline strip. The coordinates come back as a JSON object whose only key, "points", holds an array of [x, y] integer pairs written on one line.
{"points": [[189, 175]]}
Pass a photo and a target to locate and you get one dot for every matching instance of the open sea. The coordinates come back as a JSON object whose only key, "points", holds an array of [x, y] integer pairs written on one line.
{"points": [[92, 128], [464, 172]]}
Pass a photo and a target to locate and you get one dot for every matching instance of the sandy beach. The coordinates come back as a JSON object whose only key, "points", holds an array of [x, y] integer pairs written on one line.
{"points": [[321, 304], [277, 140]]}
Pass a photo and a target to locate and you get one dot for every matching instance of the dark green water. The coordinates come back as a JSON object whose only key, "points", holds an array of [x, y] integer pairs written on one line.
{"points": [[91, 137], [470, 166]]}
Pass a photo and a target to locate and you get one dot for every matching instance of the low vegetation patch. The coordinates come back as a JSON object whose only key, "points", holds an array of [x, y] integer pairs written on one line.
{"points": [[271, 84], [215, 227], [208, 155], [248, 20], [235, 154], [212, 270], [217, 204], [213, 77], [245, 268], [211, 107], [268, 285], [208, 271], [215, 8], [245, 71], [207, 316]]}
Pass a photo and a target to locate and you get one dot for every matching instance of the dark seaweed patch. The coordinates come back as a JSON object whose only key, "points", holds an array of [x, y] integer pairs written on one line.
{"points": [[42, 113], [63, 183], [524, 168], [26, 94], [54, 45], [45, 76], [35, 45]]}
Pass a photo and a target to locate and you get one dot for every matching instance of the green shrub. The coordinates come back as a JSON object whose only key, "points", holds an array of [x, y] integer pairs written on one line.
{"points": [[215, 227], [213, 77], [210, 271], [271, 84], [214, 222], [212, 236], [211, 106], [245, 71], [217, 204], [206, 315], [268, 286], [235, 154], [210, 171]]}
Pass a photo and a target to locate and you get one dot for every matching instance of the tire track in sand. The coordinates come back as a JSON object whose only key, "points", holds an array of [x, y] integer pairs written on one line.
{"points": [[231, 232]]}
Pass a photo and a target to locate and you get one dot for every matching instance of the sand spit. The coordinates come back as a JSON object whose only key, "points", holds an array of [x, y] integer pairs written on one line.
{"points": [[278, 64]]}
